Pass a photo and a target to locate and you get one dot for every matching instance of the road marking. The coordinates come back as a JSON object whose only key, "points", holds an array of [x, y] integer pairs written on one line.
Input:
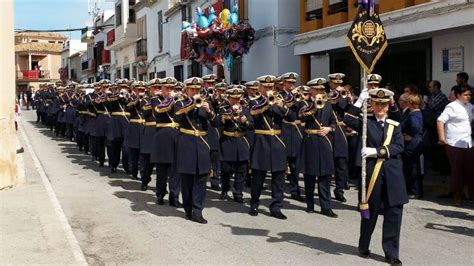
{"points": [[76, 249]]}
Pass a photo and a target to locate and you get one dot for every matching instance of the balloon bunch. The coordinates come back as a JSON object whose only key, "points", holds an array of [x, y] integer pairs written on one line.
{"points": [[214, 40]]}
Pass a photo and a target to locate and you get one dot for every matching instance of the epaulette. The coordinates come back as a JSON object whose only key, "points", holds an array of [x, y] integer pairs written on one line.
{"points": [[165, 105], [392, 122], [185, 108]]}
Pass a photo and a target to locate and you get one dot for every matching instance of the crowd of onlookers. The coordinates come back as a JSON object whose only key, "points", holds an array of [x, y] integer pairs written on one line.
{"points": [[437, 129]]}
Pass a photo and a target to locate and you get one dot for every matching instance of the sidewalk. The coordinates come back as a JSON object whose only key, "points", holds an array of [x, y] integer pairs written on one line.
{"points": [[31, 231]]}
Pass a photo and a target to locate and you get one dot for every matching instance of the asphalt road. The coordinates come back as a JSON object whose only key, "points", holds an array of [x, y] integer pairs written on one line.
{"points": [[115, 222]]}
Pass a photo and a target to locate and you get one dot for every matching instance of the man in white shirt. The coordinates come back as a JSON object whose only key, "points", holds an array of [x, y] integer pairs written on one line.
{"points": [[454, 131]]}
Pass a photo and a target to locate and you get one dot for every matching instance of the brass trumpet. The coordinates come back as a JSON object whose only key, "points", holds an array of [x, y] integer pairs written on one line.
{"points": [[273, 98], [298, 97], [199, 101]]}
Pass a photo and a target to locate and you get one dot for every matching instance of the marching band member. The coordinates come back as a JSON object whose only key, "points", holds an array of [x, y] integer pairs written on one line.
{"points": [[316, 152], [252, 96], [132, 134], [101, 120], [164, 143], [292, 133], [341, 146], [193, 160], [234, 146], [118, 123], [148, 132], [213, 134], [268, 149], [384, 174]]}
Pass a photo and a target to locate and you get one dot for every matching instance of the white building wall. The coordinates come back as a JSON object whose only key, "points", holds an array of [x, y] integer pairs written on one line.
{"points": [[459, 39]]}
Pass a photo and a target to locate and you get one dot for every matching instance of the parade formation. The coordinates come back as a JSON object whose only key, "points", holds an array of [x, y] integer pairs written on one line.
{"points": [[204, 130]]}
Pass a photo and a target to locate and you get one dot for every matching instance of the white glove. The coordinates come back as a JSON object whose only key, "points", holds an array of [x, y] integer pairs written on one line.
{"points": [[364, 95], [368, 152]]}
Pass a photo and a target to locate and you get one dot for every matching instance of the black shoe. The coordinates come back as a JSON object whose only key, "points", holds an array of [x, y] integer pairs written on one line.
{"points": [[253, 211], [188, 216], [239, 200], [127, 172], [364, 254], [160, 201], [135, 178], [298, 198], [346, 186], [223, 195], [393, 261], [20, 150], [200, 220], [309, 210], [176, 204], [340, 197], [216, 187], [113, 169], [328, 213], [101, 164], [80, 148], [278, 215], [411, 196], [144, 187]]}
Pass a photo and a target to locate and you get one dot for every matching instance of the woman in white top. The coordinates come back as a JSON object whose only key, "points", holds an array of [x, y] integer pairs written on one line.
{"points": [[454, 131]]}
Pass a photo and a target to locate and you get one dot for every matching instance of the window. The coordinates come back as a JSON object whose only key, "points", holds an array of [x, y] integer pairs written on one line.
{"points": [[119, 73], [196, 69], [160, 31], [151, 75], [134, 72], [51, 41], [34, 40], [236, 72], [126, 72], [131, 16], [178, 72], [161, 74], [118, 15]]}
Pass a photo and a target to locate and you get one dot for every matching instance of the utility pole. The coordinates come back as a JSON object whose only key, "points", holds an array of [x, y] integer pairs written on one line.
{"points": [[8, 169]]}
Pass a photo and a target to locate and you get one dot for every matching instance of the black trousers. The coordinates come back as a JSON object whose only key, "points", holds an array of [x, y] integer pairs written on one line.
{"points": [[413, 177], [82, 141], [115, 147], [392, 221], [193, 189], [278, 183], [165, 173], [125, 159], [146, 168], [293, 176], [324, 191], [100, 148], [38, 116], [133, 158], [92, 145], [340, 165], [236, 169], [215, 166], [68, 131]]}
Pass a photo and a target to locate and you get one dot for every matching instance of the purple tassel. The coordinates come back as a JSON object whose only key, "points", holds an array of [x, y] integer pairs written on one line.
{"points": [[364, 211]]}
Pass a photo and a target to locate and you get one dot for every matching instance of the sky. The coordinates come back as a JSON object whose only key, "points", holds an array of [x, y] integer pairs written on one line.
{"points": [[54, 14]]}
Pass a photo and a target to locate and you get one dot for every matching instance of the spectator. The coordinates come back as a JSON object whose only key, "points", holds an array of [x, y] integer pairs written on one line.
{"points": [[410, 89], [462, 78], [29, 93], [434, 106], [412, 129], [454, 130], [403, 103]]}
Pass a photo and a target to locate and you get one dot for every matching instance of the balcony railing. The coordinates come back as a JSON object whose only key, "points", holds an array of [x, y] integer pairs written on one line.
{"points": [[141, 48], [32, 74]]}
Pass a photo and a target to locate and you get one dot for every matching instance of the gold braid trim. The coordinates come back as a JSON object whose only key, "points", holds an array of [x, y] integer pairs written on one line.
{"points": [[186, 109], [260, 111]]}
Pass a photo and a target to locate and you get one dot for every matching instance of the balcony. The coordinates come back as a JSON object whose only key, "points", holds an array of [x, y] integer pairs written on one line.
{"points": [[122, 37], [32, 75], [141, 48]]}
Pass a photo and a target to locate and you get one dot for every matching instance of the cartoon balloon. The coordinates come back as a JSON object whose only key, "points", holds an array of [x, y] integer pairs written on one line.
{"points": [[212, 14], [203, 22], [185, 25], [234, 17], [225, 18]]}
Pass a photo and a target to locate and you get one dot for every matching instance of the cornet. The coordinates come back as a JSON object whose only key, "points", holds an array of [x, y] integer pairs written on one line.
{"points": [[273, 97], [236, 110], [320, 101], [198, 101], [298, 97]]}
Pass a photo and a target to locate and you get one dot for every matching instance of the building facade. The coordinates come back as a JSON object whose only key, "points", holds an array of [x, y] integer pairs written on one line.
{"points": [[71, 65], [37, 58], [427, 40]]}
